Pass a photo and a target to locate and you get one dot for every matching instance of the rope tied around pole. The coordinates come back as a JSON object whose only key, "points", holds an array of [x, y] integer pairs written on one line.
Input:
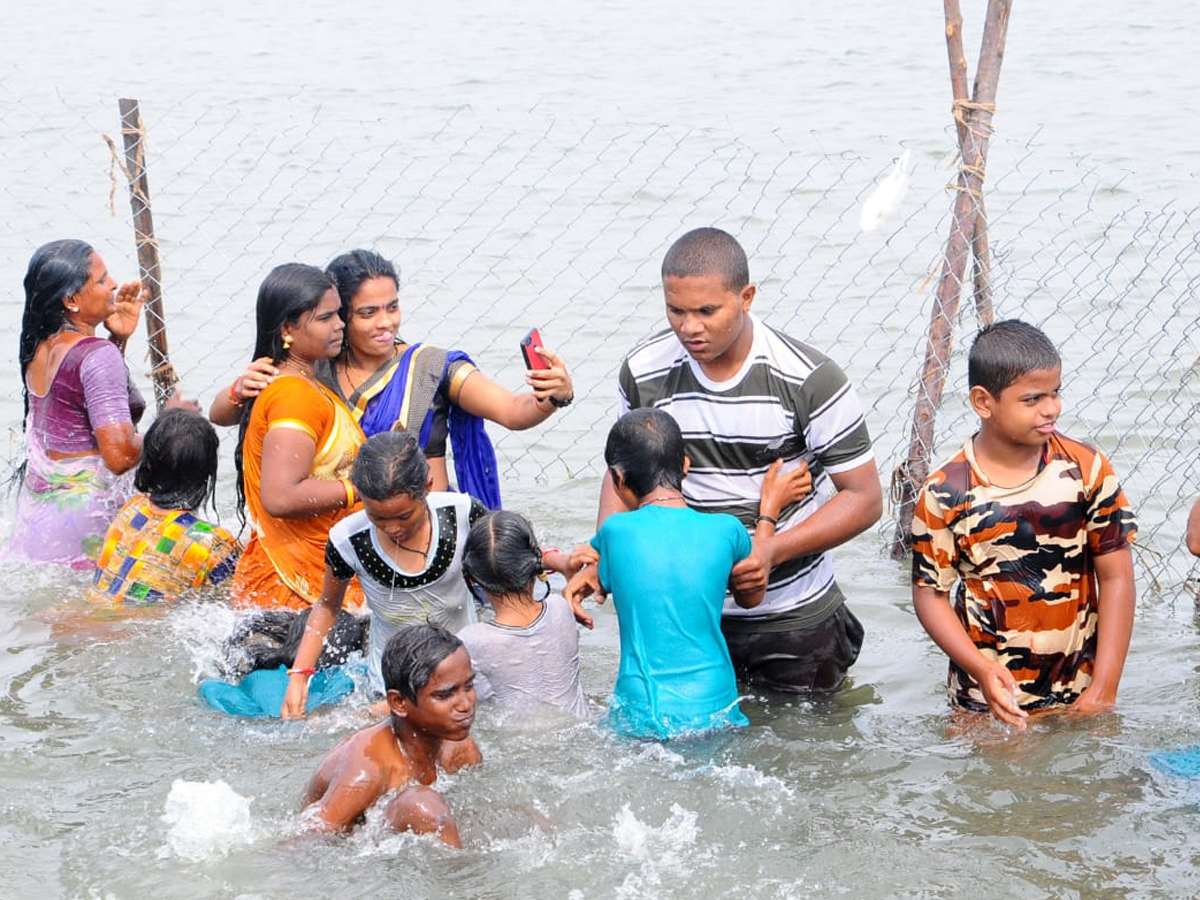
{"points": [[112, 174], [961, 107], [135, 189], [164, 371]]}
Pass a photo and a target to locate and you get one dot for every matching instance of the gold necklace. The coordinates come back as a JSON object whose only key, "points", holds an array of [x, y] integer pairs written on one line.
{"points": [[299, 368]]}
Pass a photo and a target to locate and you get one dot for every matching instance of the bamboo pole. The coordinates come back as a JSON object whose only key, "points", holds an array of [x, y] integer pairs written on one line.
{"points": [[980, 250], [133, 133], [976, 121]]}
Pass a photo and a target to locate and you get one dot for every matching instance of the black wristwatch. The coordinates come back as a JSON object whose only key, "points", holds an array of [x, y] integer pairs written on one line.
{"points": [[561, 404]]}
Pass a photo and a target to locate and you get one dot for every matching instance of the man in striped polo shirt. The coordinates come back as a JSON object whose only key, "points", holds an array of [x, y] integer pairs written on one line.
{"points": [[744, 394]]}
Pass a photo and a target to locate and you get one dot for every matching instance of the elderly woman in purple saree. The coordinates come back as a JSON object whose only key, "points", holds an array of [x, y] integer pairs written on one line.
{"points": [[81, 409], [80, 405]]}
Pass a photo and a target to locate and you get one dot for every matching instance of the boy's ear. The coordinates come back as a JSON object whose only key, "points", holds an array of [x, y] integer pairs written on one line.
{"points": [[687, 463], [981, 401], [618, 478], [397, 703]]}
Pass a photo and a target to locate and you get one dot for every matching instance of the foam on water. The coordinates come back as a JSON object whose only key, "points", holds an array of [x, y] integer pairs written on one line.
{"points": [[664, 852], [206, 819], [644, 841], [748, 777]]}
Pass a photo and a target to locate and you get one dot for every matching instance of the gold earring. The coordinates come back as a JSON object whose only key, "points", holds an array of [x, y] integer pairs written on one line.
{"points": [[287, 342]]}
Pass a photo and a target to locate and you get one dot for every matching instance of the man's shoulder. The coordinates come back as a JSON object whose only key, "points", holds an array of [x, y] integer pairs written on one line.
{"points": [[370, 745], [795, 358], [660, 350]]}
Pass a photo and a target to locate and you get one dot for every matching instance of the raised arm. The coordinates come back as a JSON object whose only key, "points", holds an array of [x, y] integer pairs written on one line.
{"points": [[123, 320], [584, 583], [778, 490], [855, 508], [480, 396], [120, 446]]}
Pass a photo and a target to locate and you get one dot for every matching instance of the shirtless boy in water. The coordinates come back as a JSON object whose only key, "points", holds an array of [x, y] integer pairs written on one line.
{"points": [[431, 694]]}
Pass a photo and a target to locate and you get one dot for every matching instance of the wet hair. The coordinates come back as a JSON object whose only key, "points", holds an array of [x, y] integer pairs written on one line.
{"points": [[389, 464], [287, 293], [412, 655], [502, 555], [646, 447], [57, 270], [352, 268], [178, 468], [1004, 351], [708, 251], [271, 638]]}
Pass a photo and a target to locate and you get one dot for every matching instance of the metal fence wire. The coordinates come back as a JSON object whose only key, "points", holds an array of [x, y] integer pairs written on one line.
{"points": [[498, 225]]}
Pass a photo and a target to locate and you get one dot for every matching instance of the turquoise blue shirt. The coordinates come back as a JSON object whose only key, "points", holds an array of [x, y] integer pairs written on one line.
{"points": [[667, 570]]}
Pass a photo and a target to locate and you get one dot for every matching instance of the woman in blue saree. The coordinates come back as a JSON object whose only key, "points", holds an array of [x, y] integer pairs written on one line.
{"points": [[432, 393]]}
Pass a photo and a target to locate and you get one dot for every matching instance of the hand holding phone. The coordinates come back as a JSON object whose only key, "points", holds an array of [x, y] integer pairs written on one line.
{"points": [[533, 359]]}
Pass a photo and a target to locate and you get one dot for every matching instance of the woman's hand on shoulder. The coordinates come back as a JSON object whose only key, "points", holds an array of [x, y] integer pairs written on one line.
{"points": [[122, 322], [255, 379], [226, 407]]}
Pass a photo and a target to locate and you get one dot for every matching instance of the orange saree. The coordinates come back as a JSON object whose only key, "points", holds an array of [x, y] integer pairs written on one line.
{"points": [[284, 561]]}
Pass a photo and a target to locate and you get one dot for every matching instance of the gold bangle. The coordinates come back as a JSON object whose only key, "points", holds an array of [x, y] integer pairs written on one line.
{"points": [[350, 496]]}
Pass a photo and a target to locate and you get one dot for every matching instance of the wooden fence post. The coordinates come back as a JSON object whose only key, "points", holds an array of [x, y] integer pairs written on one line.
{"points": [[974, 118], [133, 133]]}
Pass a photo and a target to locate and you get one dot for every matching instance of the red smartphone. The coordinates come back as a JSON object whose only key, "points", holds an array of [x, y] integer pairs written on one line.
{"points": [[533, 359]]}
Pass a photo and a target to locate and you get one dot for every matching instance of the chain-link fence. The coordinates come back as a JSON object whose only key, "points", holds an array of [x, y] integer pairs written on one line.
{"points": [[497, 226]]}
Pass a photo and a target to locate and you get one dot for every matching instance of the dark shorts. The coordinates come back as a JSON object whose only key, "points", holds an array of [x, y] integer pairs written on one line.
{"points": [[801, 661]]}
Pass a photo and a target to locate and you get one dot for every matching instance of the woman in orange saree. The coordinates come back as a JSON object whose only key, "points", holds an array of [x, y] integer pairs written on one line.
{"points": [[297, 442]]}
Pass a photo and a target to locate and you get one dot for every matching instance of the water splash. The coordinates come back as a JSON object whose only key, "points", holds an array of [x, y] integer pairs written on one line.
{"points": [[206, 819], [663, 851], [644, 841], [200, 628]]}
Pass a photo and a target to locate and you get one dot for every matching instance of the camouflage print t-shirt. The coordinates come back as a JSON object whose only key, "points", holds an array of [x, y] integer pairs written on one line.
{"points": [[1022, 557]]}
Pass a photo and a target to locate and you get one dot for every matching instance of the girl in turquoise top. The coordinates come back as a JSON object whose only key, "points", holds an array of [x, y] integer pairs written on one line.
{"points": [[667, 568]]}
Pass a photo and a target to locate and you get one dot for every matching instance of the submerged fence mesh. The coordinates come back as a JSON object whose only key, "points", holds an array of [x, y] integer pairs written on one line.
{"points": [[498, 226]]}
